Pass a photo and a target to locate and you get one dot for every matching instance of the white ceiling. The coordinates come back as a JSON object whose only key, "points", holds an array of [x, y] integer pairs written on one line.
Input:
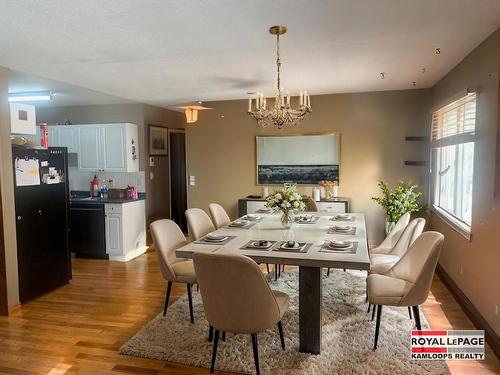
{"points": [[167, 52], [64, 94]]}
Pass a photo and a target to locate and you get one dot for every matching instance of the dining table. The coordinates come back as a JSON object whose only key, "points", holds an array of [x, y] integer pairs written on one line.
{"points": [[313, 235]]}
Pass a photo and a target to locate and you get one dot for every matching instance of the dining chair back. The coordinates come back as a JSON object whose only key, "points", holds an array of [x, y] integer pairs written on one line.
{"points": [[237, 298], [199, 223], [409, 235], [394, 235], [220, 218], [168, 237]]}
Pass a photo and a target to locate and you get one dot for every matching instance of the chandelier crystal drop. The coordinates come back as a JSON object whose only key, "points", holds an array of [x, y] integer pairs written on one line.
{"points": [[281, 114]]}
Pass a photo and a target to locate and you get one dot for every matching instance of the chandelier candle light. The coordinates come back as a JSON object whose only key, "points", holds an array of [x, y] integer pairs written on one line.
{"points": [[282, 114]]}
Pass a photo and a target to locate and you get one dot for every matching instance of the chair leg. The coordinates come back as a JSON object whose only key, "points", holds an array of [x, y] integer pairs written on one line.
{"points": [[366, 299], [197, 287], [369, 307], [210, 333], [282, 338], [267, 266], [416, 314], [223, 335], [377, 324], [167, 297], [190, 298], [275, 272], [214, 351], [255, 353], [409, 312], [279, 270], [373, 313], [328, 272]]}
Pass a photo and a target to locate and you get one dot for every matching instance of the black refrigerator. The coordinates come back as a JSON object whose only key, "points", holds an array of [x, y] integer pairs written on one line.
{"points": [[41, 199]]}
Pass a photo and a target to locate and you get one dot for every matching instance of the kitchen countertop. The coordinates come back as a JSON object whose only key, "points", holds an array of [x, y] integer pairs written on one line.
{"points": [[88, 200]]}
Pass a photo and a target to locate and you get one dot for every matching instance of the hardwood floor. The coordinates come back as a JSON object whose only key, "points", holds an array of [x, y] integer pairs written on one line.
{"points": [[79, 328]]}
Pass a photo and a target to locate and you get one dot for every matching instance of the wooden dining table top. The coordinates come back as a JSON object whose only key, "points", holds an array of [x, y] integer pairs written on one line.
{"points": [[271, 229]]}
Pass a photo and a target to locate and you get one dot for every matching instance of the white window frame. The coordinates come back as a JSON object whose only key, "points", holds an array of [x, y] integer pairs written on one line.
{"points": [[453, 221]]}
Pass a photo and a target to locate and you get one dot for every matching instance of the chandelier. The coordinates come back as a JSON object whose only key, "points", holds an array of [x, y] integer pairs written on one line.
{"points": [[281, 114]]}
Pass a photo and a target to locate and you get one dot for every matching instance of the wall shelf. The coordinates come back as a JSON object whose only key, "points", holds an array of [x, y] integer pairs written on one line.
{"points": [[417, 139], [417, 163]]}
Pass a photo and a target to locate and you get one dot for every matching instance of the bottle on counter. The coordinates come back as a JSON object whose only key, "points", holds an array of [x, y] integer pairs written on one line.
{"points": [[103, 190], [94, 187]]}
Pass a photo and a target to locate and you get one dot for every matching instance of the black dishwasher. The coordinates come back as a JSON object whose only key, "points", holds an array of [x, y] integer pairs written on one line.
{"points": [[87, 230]]}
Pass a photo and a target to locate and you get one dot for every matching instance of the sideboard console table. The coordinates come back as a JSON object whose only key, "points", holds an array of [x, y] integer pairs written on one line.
{"points": [[250, 205]]}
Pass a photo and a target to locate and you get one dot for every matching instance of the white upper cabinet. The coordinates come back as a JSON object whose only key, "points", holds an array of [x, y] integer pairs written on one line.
{"points": [[68, 137], [100, 147], [89, 157], [114, 148]]}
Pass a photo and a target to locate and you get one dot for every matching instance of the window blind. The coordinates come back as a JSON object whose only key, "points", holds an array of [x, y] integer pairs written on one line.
{"points": [[455, 122]]}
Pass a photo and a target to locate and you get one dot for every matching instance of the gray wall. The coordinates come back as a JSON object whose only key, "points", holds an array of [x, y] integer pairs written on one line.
{"points": [[372, 127], [473, 264]]}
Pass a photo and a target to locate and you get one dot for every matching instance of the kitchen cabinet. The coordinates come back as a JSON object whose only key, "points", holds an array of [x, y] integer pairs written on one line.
{"points": [[100, 147], [125, 225], [89, 157]]}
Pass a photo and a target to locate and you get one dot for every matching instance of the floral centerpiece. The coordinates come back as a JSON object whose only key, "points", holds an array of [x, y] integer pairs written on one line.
{"points": [[397, 202], [287, 201]]}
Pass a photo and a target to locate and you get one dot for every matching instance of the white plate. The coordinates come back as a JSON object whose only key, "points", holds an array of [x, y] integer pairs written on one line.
{"points": [[342, 228], [239, 223], [331, 247], [215, 237], [339, 244], [343, 217], [253, 217]]}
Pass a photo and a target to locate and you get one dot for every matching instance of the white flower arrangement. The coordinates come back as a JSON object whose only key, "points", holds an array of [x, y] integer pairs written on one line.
{"points": [[286, 200]]}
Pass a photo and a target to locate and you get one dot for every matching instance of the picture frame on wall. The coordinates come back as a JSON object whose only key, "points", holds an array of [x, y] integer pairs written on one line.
{"points": [[158, 140]]}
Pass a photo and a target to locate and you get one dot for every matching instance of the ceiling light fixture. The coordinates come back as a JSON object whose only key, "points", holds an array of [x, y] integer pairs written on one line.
{"points": [[36, 96], [281, 114], [191, 112]]}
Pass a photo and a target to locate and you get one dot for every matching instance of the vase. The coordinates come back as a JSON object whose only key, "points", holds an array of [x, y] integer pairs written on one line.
{"points": [[389, 226], [287, 218]]}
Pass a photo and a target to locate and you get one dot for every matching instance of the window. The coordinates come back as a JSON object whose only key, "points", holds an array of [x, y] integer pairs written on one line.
{"points": [[452, 144]]}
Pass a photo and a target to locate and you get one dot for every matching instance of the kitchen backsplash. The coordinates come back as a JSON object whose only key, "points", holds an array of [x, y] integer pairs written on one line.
{"points": [[80, 180]]}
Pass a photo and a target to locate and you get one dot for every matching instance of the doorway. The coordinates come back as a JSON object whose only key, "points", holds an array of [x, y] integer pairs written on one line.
{"points": [[178, 177]]}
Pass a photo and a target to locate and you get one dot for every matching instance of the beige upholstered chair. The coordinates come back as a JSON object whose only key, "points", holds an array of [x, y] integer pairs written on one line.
{"points": [[168, 237], [220, 218], [199, 223], [381, 262], [407, 283], [237, 298], [392, 238]]}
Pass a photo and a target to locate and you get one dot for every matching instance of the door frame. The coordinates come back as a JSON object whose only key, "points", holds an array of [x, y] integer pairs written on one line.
{"points": [[4, 303], [170, 169]]}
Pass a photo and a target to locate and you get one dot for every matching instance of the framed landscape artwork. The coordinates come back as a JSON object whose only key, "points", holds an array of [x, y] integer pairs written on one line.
{"points": [[158, 140], [304, 159]]}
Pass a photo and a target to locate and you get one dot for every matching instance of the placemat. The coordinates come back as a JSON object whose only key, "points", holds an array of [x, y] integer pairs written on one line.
{"points": [[248, 226], [351, 232], [202, 241], [304, 250], [246, 246], [326, 249], [316, 219]]}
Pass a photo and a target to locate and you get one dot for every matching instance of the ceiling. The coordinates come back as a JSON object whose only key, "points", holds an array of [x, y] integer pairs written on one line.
{"points": [[64, 94], [171, 52]]}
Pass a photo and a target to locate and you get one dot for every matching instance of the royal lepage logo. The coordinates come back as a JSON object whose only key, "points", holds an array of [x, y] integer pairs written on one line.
{"points": [[442, 345]]}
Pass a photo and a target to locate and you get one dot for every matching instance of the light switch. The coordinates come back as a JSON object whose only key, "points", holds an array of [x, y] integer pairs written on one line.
{"points": [[151, 175], [192, 181], [151, 161]]}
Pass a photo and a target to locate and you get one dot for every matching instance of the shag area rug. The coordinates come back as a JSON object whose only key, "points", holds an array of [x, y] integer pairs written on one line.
{"points": [[347, 336]]}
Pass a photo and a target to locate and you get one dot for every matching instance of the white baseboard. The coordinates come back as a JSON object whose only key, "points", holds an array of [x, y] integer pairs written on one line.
{"points": [[130, 255]]}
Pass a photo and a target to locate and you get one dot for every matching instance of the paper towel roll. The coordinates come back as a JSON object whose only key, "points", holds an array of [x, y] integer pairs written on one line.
{"points": [[317, 194]]}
